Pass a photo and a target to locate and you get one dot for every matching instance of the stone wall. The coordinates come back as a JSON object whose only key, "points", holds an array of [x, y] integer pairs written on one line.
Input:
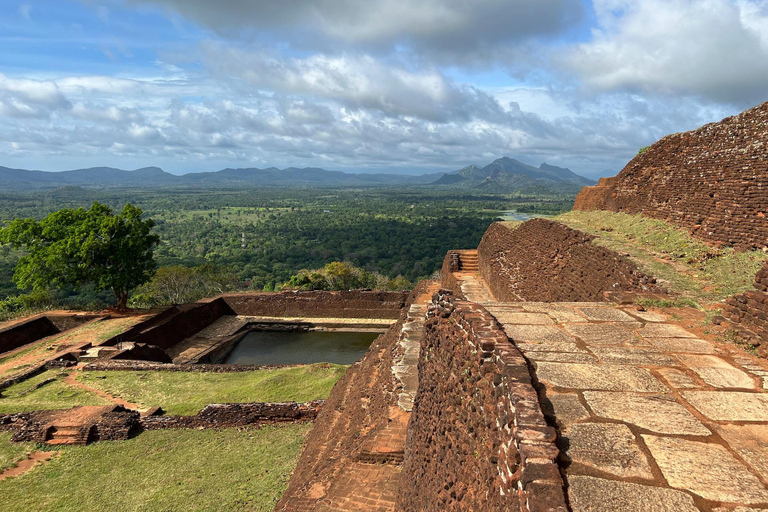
{"points": [[319, 304], [189, 319], [238, 415], [713, 181], [477, 439], [546, 261], [749, 313], [26, 332]]}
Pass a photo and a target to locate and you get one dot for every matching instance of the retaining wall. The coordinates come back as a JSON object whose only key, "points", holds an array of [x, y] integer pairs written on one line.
{"points": [[477, 439], [713, 181], [319, 304], [237, 415], [542, 260], [26, 332], [749, 313]]}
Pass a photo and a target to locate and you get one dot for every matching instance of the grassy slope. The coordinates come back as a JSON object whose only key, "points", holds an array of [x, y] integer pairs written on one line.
{"points": [[685, 265], [185, 393], [11, 453], [27, 396], [187, 470]]}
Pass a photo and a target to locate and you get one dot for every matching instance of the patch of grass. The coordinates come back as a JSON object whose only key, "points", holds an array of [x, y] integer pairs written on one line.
{"points": [[185, 393], [161, 470], [668, 303], [682, 263], [12, 453], [43, 392]]}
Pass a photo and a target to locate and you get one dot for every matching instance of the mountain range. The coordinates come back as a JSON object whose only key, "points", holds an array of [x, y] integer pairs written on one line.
{"points": [[503, 175]]}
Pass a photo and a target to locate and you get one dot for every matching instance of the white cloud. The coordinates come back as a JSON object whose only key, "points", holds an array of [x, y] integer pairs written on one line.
{"points": [[715, 49], [25, 10]]}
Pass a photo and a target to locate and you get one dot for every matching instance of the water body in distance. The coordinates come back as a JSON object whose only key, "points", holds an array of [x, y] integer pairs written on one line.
{"points": [[514, 215], [270, 347]]}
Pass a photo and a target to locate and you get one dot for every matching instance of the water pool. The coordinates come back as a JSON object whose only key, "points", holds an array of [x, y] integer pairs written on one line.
{"points": [[302, 347]]}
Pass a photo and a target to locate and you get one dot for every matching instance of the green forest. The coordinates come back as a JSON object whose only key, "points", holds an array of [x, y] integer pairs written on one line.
{"points": [[263, 237]]}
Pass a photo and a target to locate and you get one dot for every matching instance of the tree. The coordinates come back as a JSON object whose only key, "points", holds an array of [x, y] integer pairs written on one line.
{"points": [[77, 247], [178, 284]]}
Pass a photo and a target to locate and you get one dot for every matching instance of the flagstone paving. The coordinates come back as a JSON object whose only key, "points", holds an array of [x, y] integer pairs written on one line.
{"points": [[650, 417]]}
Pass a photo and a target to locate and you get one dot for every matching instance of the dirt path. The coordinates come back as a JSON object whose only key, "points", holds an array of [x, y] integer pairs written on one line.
{"points": [[27, 464], [71, 380]]}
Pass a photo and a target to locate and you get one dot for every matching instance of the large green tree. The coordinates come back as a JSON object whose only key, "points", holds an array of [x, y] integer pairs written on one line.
{"points": [[77, 247]]}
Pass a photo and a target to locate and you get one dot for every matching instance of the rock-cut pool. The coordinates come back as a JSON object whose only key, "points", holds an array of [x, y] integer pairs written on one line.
{"points": [[303, 347]]}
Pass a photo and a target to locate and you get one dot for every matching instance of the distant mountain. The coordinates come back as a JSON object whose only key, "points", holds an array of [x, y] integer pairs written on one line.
{"points": [[510, 175], [504, 173]]}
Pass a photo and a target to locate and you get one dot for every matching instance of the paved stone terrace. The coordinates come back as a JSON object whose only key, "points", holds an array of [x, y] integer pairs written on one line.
{"points": [[650, 417]]}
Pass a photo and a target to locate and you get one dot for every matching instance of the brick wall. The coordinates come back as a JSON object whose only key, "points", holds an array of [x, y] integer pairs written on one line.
{"points": [[26, 332], [546, 261], [341, 304], [477, 439], [713, 181], [749, 312]]}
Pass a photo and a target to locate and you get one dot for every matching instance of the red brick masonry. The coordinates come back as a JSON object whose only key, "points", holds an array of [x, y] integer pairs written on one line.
{"points": [[546, 261], [713, 181], [477, 439], [749, 311]]}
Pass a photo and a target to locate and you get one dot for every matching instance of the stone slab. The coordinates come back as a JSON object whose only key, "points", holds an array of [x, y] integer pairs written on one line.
{"points": [[608, 447], [567, 408], [706, 469], [656, 413], [678, 379], [716, 372], [505, 317], [600, 334], [553, 346], [650, 316], [560, 312], [633, 356], [560, 357], [606, 314], [729, 405], [750, 442], [598, 376], [589, 494], [664, 331], [682, 345], [537, 333]]}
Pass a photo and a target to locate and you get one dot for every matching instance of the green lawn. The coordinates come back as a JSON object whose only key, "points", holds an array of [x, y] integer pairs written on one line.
{"points": [[684, 264], [38, 394], [190, 470], [185, 393], [11, 453]]}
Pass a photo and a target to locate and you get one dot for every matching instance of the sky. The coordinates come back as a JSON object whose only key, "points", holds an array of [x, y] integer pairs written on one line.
{"points": [[368, 86]]}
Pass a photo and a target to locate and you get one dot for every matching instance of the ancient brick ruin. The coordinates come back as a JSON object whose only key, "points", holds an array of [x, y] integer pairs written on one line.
{"points": [[749, 311], [712, 181], [546, 261]]}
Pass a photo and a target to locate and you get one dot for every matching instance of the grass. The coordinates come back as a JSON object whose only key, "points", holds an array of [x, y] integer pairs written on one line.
{"points": [[185, 393], [43, 392], [94, 332], [12, 453], [685, 265], [164, 470]]}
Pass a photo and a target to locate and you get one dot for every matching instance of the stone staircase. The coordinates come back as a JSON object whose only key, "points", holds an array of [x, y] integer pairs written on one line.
{"points": [[67, 434], [468, 261]]}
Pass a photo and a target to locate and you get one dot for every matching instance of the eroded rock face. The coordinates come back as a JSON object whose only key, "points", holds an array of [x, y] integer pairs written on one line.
{"points": [[713, 181]]}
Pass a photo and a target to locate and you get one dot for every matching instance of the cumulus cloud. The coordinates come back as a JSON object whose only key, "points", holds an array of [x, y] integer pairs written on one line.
{"points": [[715, 49]]}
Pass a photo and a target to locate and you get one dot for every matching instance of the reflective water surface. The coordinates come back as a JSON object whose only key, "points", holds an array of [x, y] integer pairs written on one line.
{"points": [[268, 347]]}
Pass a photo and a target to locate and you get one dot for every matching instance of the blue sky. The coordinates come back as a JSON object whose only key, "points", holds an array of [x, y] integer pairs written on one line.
{"points": [[382, 85]]}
